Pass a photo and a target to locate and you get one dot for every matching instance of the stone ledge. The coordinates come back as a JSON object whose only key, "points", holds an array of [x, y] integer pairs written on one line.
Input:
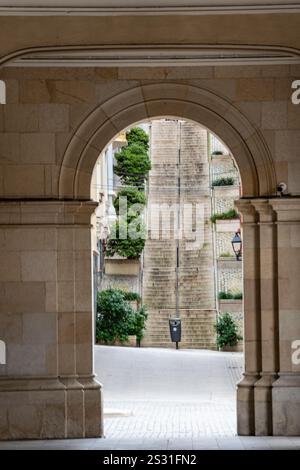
{"points": [[122, 267], [46, 212]]}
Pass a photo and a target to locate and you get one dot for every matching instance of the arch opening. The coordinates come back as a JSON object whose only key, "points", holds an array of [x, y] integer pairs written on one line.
{"points": [[165, 278]]}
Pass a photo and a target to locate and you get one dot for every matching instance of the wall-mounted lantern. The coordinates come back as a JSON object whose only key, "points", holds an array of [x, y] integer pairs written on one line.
{"points": [[236, 243]]}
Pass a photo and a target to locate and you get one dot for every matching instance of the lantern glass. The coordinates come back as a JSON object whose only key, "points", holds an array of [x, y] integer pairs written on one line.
{"points": [[237, 245]]}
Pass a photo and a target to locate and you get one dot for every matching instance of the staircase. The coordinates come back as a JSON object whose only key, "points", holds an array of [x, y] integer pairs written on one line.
{"points": [[179, 159]]}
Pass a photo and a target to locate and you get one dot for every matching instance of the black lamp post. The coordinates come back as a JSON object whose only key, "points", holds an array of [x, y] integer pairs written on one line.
{"points": [[237, 245]]}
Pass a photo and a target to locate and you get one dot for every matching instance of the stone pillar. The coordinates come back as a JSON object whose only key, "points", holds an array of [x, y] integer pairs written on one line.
{"points": [[47, 386], [269, 394], [252, 320], [268, 278], [286, 389]]}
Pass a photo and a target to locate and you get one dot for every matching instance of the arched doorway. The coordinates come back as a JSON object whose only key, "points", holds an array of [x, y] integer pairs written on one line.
{"points": [[258, 181]]}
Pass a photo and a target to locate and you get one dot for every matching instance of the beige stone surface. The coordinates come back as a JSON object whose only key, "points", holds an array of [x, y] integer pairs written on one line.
{"points": [[50, 137], [37, 148]]}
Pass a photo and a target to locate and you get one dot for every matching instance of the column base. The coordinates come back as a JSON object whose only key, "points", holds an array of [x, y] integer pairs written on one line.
{"points": [[286, 405], [50, 408], [263, 405], [245, 405]]}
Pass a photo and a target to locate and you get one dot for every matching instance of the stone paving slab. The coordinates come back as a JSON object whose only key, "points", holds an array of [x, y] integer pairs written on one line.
{"points": [[160, 399]]}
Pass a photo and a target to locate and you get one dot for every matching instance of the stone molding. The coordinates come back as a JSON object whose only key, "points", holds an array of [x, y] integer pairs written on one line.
{"points": [[44, 212], [145, 8]]}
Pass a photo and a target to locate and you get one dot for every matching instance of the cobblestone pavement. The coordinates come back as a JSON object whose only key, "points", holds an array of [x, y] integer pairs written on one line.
{"points": [[167, 399]]}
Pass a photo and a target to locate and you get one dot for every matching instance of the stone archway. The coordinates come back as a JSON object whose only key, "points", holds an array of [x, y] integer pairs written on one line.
{"points": [[167, 99], [255, 415]]}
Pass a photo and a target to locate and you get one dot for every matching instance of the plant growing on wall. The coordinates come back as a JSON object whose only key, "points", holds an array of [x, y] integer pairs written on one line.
{"points": [[224, 181], [230, 214], [227, 331], [230, 295]]}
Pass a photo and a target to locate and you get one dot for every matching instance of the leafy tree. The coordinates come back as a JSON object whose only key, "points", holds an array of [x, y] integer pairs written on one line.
{"points": [[136, 135], [133, 164], [132, 195], [227, 331]]}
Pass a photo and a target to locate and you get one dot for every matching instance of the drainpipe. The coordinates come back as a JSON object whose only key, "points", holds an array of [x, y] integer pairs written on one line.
{"points": [[214, 236]]}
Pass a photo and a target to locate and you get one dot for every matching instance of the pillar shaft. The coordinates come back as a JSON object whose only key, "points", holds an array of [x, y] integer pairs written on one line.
{"points": [[286, 389], [47, 386], [268, 317], [252, 327]]}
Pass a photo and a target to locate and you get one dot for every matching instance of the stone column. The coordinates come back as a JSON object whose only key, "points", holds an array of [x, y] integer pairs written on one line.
{"points": [[268, 278], [286, 389], [252, 320], [47, 386]]}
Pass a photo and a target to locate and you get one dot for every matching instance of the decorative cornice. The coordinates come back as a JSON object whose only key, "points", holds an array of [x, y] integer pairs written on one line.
{"points": [[152, 55], [217, 9]]}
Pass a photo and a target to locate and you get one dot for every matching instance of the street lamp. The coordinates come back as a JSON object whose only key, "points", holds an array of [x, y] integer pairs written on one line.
{"points": [[237, 245]]}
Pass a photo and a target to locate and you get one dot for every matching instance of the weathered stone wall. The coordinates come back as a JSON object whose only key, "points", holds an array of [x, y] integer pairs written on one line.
{"points": [[179, 175]]}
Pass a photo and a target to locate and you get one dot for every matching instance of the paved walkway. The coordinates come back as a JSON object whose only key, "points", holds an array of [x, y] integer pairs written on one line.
{"points": [[167, 399]]}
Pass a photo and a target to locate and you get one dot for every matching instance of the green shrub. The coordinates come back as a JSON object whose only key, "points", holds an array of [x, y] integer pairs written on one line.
{"points": [[131, 296], [230, 214], [130, 247], [139, 324], [115, 316], [217, 152], [230, 295], [227, 331], [133, 195], [224, 181]]}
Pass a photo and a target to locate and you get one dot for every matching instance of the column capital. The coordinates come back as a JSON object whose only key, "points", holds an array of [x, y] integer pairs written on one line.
{"points": [[281, 209], [286, 209], [46, 212]]}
